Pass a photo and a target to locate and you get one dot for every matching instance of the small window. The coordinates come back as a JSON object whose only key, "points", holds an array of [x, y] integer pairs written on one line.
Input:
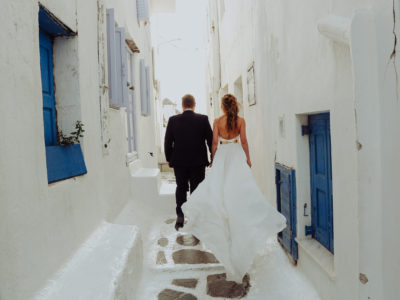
{"points": [[251, 90], [142, 9], [145, 89], [62, 161], [117, 63]]}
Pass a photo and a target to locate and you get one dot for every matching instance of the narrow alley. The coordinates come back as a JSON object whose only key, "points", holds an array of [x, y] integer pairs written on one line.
{"points": [[307, 93]]}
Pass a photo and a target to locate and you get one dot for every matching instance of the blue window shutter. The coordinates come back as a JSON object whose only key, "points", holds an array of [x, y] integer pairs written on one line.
{"points": [[121, 67], [142, 9], [49, 109], [111, 53], [286, 204], [64, 162], [143, 84], [148, 104], [321, 183]]}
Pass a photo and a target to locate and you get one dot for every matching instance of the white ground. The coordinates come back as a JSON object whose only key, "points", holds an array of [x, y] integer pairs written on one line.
{"points": [[272, 276]]}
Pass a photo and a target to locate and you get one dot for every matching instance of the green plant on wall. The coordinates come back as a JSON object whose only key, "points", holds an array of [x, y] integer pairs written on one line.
{"points": [[74, 136]]}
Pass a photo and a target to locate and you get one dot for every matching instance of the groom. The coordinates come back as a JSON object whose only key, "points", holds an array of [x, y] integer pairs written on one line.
{"points": [[186, 151]]}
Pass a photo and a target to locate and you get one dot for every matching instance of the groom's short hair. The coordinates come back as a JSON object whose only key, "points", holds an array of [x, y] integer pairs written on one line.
{"points": [[188, 101]]}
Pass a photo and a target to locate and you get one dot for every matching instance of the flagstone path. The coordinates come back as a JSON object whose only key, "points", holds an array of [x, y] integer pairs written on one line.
{"points": [[177, 266]]}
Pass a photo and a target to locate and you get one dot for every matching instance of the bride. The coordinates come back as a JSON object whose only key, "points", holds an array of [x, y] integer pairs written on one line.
{"points": [[227, 211]]}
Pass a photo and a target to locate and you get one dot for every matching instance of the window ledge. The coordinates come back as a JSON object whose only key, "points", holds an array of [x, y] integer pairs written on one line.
{"points": [[319, 254]]}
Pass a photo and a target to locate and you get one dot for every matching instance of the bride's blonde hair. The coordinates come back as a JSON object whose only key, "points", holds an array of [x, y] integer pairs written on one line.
{"points": [[231, 108]]}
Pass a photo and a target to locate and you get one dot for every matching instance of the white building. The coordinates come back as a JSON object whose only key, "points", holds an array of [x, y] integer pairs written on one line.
{"points": [[62, 62], [320, 92]]}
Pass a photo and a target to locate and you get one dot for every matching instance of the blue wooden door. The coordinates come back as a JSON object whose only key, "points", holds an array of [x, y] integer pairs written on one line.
{"points": [[321, 179], [286, 204], [49, 110]]}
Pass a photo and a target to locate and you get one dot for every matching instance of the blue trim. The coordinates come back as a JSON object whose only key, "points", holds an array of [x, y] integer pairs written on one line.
{"points": [[51, 25], [286, 186], [64, 162]]}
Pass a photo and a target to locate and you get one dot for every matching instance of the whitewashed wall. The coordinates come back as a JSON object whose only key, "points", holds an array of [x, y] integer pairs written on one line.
{"points": [[299, 71], [139, 32], [41, 224]]}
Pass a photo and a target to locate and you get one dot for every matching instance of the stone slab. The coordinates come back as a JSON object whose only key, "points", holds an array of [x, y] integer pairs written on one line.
{"points": [[163, 242], [218, 286], [190, 283], [161, 260], [168, 294], [187, 240], [190, 256]]}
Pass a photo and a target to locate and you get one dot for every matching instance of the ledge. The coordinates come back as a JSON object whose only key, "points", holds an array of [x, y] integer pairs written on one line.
{"points": [[319, 254], [336, 28]]}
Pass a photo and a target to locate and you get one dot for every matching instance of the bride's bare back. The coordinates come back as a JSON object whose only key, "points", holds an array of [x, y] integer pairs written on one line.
{"points": [[221, 130]]}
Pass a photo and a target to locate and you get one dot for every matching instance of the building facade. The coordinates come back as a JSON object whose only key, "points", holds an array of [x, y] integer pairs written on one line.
{"points": [[319, 91], [64, 62]]}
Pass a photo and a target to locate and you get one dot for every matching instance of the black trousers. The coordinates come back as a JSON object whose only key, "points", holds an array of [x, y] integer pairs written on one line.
{"points": [[187, 178]]}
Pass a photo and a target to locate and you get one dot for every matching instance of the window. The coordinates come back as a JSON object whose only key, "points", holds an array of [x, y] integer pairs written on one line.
{"points": [[321, 179], [131, 109], [62, 161], [251, 90], [142, 9], [117, 63], [145, 89], [286, 205]]}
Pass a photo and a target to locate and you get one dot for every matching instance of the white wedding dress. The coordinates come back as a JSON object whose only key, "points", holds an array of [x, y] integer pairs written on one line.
{"points": [[228, 212]]}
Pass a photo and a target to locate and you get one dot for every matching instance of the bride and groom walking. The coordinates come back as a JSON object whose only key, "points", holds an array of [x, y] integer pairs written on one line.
{"points": [[226, 210]]}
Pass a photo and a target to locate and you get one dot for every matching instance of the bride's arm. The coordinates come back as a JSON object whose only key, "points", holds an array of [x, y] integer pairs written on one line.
{"points": [[214, 140], [243, 140]]}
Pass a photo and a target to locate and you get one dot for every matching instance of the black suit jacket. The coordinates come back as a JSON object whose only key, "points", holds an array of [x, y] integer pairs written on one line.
{"points": [[186, 138]]}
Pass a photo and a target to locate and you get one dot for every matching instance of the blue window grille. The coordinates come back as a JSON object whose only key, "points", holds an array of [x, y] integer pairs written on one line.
{"points": [[62, 161], [286, 203]]}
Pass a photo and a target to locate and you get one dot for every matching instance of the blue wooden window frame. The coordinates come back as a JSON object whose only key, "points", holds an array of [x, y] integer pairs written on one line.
{"points": [[321, 180], [62, 161], [285, 179]]}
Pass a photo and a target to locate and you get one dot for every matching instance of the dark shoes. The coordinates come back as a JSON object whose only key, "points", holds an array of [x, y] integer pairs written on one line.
{"points": [[179, 222]]}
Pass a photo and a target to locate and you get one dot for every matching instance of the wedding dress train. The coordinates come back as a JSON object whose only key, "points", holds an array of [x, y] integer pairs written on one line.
{"points": [[228, 212]]}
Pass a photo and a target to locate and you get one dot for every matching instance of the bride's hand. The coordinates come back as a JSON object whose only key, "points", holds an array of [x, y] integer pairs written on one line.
{"points": [[249, 163]]}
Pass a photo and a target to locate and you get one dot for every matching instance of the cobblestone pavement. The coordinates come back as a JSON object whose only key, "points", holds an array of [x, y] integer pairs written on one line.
{"points": [[179, 266]]}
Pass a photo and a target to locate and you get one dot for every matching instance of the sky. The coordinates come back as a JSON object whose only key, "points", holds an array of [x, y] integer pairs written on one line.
{"points": [[180, 58]]}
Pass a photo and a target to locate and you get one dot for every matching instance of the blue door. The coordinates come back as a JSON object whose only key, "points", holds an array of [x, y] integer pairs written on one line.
{"points": [[321, 179], [49, 110], [286, 204]]}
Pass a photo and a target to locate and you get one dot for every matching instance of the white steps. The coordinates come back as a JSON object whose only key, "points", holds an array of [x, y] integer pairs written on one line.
{"points": [[108, 266], [157, 196]]}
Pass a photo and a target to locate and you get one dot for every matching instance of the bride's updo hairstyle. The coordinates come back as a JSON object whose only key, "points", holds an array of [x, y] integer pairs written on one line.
{"points": [[231, 108]]}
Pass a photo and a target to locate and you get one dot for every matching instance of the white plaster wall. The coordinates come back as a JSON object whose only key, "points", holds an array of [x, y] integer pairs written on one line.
{"points": [[42, 225], [299, 71]]}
